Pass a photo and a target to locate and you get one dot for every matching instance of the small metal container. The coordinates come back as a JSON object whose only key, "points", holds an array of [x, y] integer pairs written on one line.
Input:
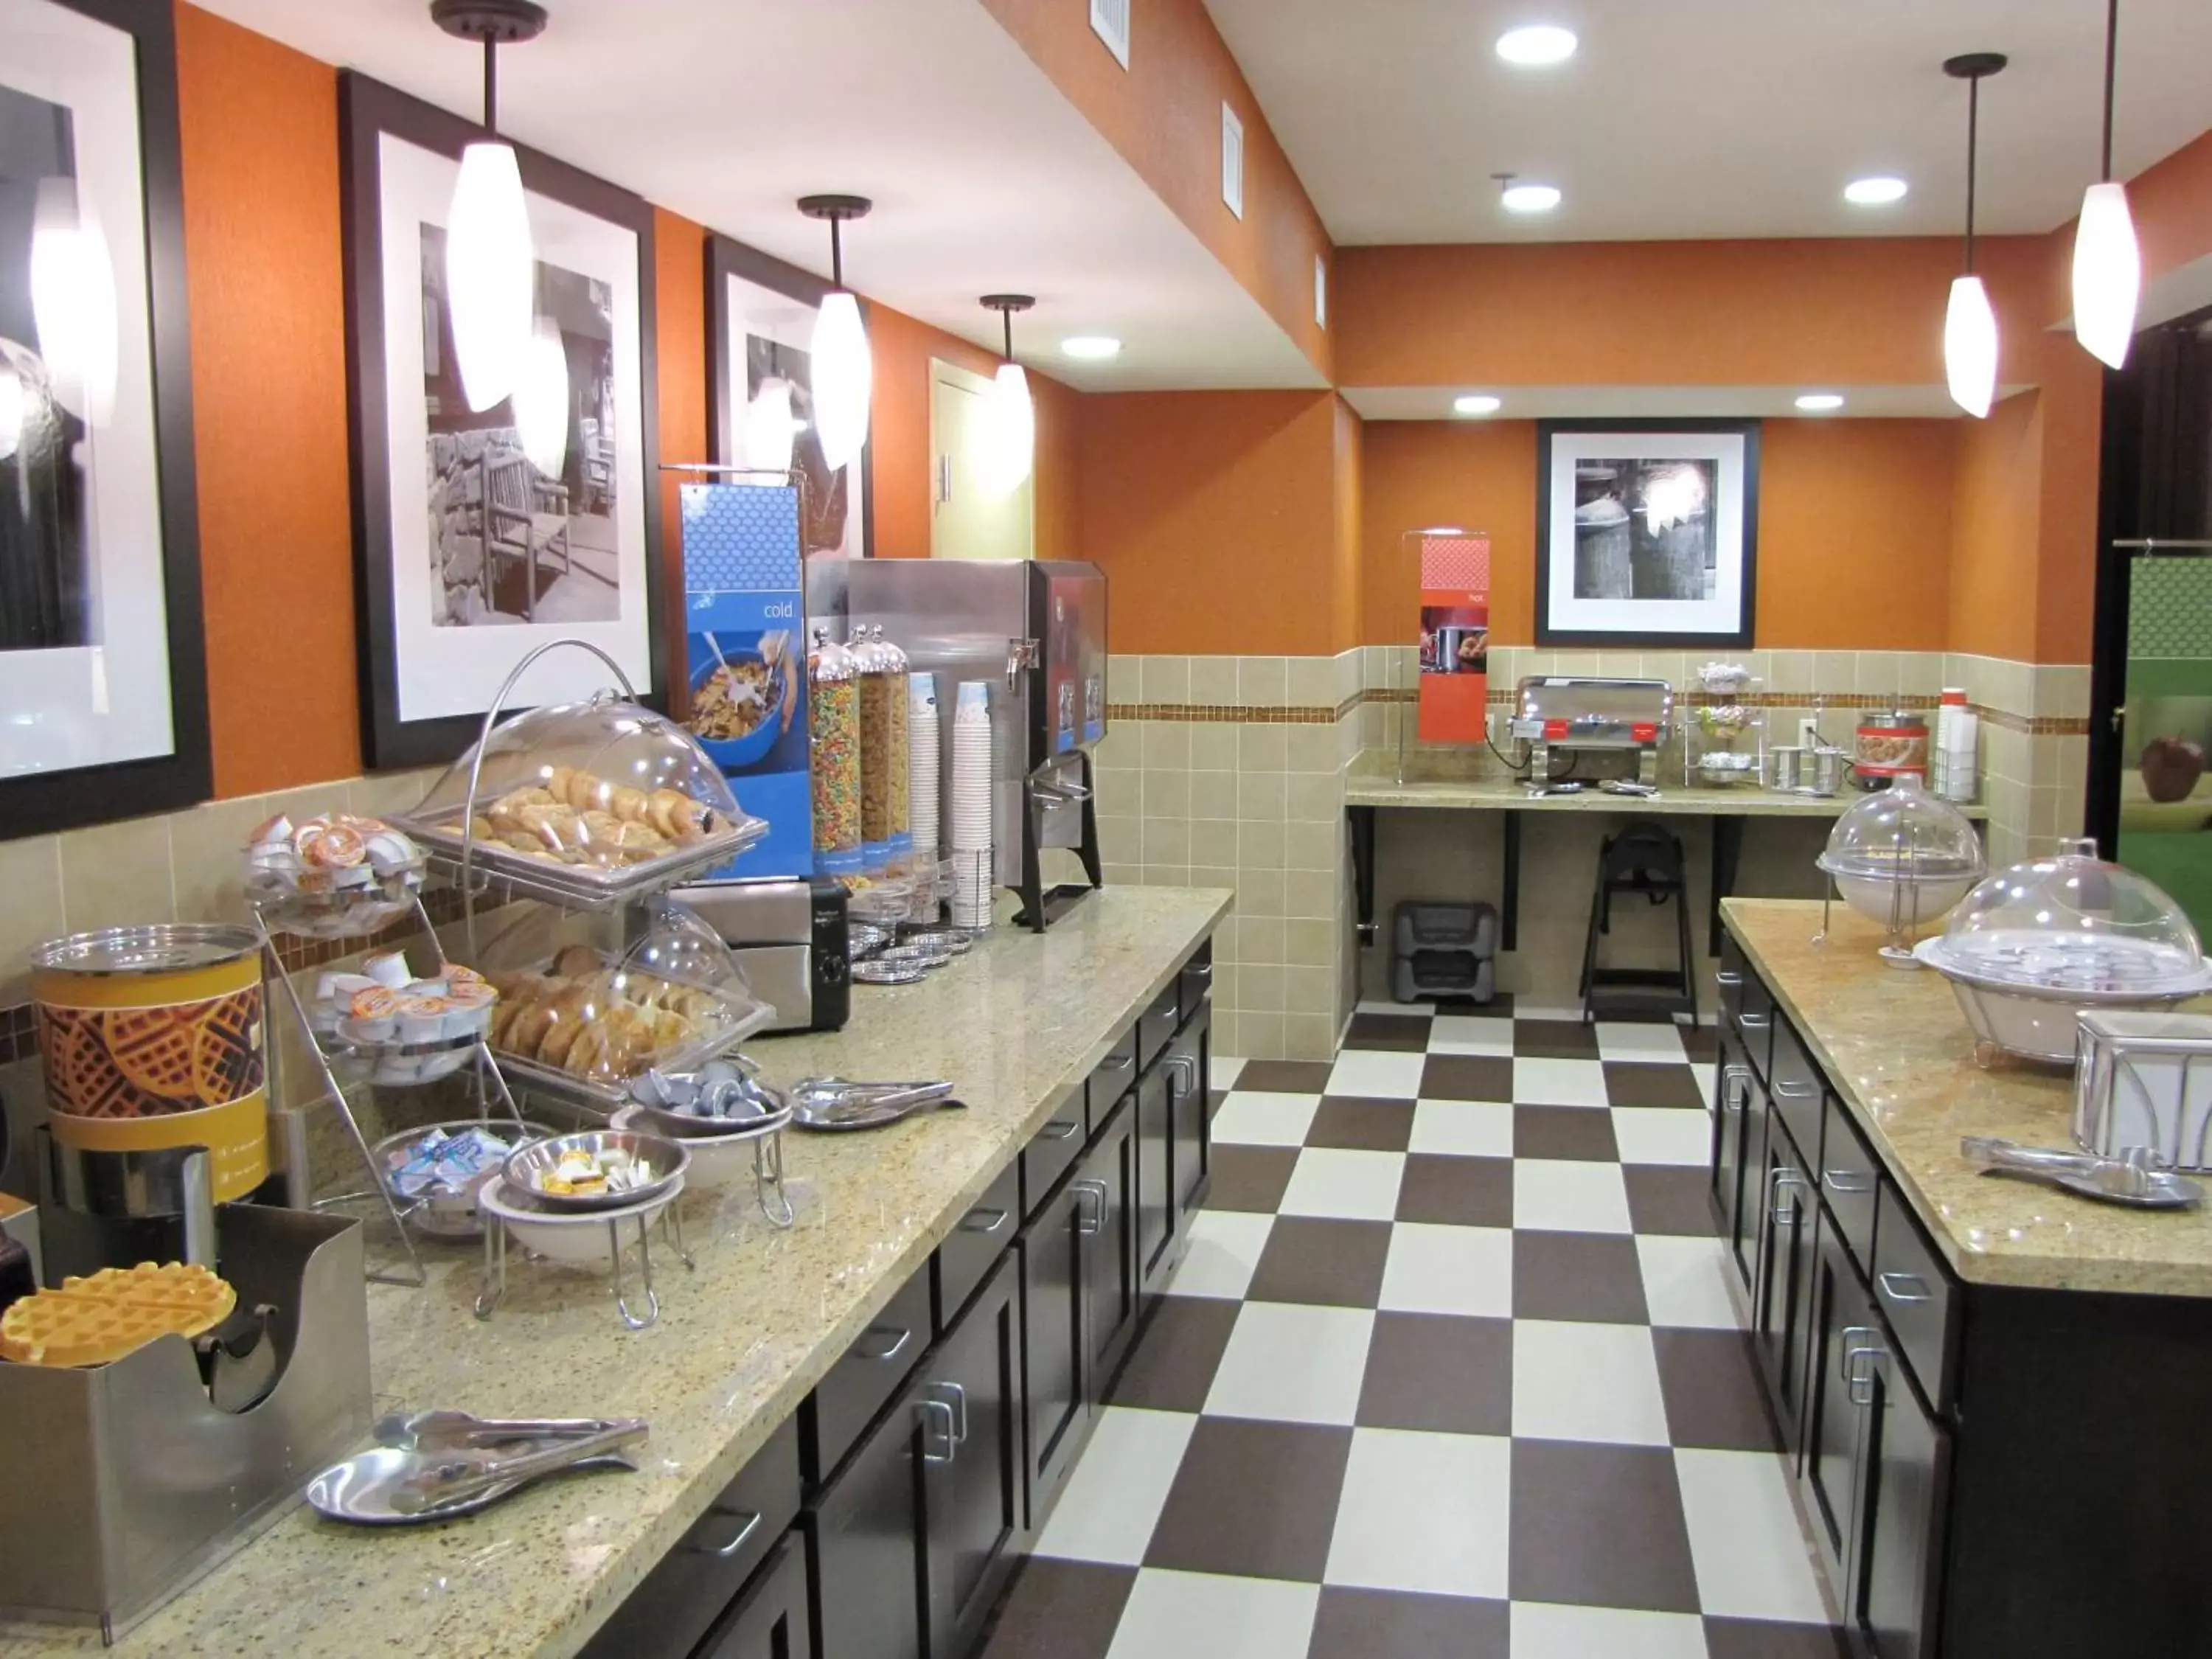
{"points": [[1783, 765], [529, 1166], [1822, 770], [2145, 1079]]}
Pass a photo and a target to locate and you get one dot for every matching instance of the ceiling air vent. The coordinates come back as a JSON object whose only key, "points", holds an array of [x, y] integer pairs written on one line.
{"points": [[1109, 21], [1232, 160]]}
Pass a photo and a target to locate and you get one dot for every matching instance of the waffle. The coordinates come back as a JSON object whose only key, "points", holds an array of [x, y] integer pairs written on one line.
{"points": [[90, 1321], [80, 1072], [153, 1047], [227, 1048]]}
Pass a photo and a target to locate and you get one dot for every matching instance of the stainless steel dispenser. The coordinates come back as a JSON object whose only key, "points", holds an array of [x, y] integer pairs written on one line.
{"points": [[1036, 629], [1563, 714]]}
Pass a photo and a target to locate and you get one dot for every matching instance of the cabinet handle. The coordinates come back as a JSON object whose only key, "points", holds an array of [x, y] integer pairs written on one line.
{"points": [[1854, 1338], [1183, 1066], [724, 1552], [957, 1397], [1859, 1377], [1058, 1129], [1732, 1102], [889, 1342], [1199, 970], [983, 1221], [1755, 1022], [927, 1411], [1903, 1287], [1730, 980], [1089, 1222], [1779, 1181], [1846, 1180], [1793, 1091]]}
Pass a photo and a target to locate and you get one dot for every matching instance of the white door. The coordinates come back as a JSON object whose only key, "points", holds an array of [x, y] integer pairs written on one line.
{"points": [[966, 521]]}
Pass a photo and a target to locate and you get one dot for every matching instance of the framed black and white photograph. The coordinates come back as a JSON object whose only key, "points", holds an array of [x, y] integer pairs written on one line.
{"points": [[1647, 533], [103, 678], [761, 313], [481, 534]]}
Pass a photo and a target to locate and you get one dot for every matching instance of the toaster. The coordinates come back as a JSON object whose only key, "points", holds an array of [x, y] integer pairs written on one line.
{"points": [[789, 937]]}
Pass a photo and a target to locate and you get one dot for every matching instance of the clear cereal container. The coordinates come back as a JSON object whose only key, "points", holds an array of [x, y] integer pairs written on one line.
{"points": [[834, 716]]}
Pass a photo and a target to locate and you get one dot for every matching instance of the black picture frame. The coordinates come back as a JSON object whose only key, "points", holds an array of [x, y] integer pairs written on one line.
{"points": [[727, 258], [366, 109], [1738, 637], [38, 803]]}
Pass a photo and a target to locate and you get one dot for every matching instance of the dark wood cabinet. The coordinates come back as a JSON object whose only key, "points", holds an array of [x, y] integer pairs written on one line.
{"points": [[1156, 1195], [1107, 1219], [770, 1620], [1056, 1343], [971, 1445], [1782, 1283], [1839, 1319], [1904, 1469], [1731, 1096], [1743, 1240], [1187, 1064], [866, 1599]]}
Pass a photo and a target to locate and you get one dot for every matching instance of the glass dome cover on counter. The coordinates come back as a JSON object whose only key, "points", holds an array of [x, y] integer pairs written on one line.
{"points": [[1902, 858], [588, 802]]}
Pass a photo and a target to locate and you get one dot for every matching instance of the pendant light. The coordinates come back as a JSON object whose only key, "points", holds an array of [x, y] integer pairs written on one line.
{"points": [[843, 370], [1010, 419], [541, 399], [73, 301], [2107, 264], [1970, 326], [491, 269]]}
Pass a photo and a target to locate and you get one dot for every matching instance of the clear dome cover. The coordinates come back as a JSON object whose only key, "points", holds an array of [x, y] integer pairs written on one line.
{"points": [[1904, 831], [590, 800], [2072, 924]]}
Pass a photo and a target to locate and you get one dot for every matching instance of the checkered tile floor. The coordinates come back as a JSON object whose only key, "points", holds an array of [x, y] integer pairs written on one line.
{"points": [[1449, 1372]]}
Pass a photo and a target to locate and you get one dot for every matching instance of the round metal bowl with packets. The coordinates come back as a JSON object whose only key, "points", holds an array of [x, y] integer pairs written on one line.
{"points": [[599, 1169], [435, 1173]]}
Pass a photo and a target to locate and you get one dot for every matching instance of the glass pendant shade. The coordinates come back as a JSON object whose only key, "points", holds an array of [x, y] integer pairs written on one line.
{"points": [[844, 379], [1009, 432], [771, 430], [73, 302], [490, 291], [2107, 274], [541, 399], [1969, 347]]}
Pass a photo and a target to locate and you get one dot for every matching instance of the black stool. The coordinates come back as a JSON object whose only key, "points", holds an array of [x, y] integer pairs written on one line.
{"points": [[1647, 860]]}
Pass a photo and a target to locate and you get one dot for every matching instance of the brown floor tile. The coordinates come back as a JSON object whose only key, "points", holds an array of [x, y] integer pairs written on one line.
{"points": [[1058, 1609], [1170, 1367], [1250, 1178], [1213, 1099], [1554, 1039], [1597, 1526], [1701, 1043], [1402, 1033], [1372, 1125], [1369, 1624], [1569, 1131], [1662, 1198], [1631, 1083], [1591, 1277], [1456, 1192], [1500, 1005], [1254, 1499], [1438, 1373], [1466, 1077], [1710, 1383], [1331, 1263], [1753, 1639], [1284, 1077]]}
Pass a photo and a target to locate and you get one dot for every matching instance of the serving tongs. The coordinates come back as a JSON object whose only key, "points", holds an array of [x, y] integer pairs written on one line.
{"points": [[454, 1431], [2132, 1179], [836, 1103], [456, 1474], [442, 1465]]}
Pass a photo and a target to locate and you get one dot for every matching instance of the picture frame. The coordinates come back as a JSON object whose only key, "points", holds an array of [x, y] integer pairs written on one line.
{"points": [[1647, 533], [761, 312], [455, 528], [102, 639]]}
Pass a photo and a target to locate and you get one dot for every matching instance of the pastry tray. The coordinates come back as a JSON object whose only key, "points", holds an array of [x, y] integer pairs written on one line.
{"points": [[579, 886], [601, 1098]]}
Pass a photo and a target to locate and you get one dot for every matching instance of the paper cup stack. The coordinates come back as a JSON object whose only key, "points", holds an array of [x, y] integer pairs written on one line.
{"points": [[921, 761], [971, 805]]}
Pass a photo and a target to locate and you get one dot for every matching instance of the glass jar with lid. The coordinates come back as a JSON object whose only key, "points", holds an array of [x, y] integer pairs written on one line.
{"points": [[885, 786], [1903, 859], [834, 727]]}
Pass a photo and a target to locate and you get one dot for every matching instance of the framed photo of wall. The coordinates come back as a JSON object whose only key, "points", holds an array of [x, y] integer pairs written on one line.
{"points": [[470, 550], [1647, 533], [103, 678], [760, 330]]}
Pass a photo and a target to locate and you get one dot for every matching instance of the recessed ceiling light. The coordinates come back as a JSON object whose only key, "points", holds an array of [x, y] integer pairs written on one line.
{"points": [[1820, 403], [1877, 192], [1529, 198], [1475, 402], [1090, 347], [1537, 46]]}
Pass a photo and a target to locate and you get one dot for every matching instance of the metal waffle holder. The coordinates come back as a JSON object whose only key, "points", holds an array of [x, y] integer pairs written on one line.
{"points": [[128, 1480]]}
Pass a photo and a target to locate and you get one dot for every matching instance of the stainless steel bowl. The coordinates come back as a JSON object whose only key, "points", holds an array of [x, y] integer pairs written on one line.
{"points": [[529, 1166], [448, 1212]]}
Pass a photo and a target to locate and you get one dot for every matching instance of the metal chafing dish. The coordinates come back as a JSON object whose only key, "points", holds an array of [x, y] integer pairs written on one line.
{"points": [[1561, 714]]}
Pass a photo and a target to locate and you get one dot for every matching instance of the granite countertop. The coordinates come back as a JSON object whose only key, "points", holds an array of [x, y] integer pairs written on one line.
{"points": [[1502, 793], [1895, 1045], [1016, 1023]]}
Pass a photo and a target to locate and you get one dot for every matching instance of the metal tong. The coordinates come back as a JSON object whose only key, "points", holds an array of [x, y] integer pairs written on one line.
{"points": [[468, 1464], [836, 1103], [2133, 1178]]}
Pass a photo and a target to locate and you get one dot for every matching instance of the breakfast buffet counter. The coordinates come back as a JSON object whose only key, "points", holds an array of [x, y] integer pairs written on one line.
{"points": [[1016, 1025]]}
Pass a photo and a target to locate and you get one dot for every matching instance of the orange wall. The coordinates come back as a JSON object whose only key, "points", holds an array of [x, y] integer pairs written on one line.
{"points": [[1350, 489], [1993, 548], [1212, 515], [1854, 527], [1162, 115], [2172, 204]]}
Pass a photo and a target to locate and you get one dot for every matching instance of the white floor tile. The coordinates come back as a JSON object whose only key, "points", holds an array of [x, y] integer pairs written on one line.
{"points": [[1707, 1074], [1351, 1186], [1222, 1069], [1208, 1616], [1566, 1011], [1462, 1034], [1663, 1135], [1559, 1083], [1751, 1559], [1577, 1382], [1251, 1118], [1628, 1040], [1373, 1072], [1686, 1281], [1387, 1006], [1292, 1363], [1114, 1497], [1469, 1128], [1424, 1512], [1562, 1195], [1544, 1629], [1225, 1249], [1448, 1270]]}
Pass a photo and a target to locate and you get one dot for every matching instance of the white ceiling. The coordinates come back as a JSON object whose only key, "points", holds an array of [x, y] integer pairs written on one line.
{"points": [[1564, 403], [985, 178], [1708, 117]]}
